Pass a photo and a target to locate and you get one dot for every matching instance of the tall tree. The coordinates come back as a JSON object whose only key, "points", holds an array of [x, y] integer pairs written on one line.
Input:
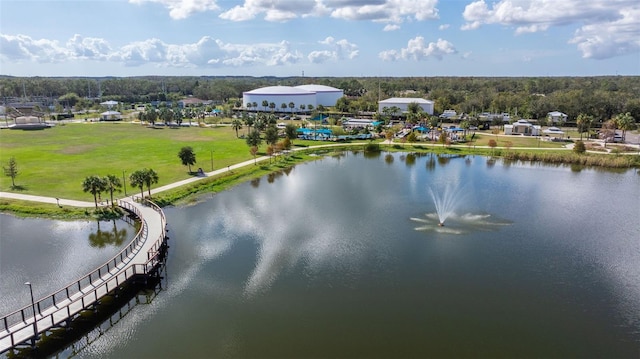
{"points": [[291, 132], [166, 115], [254, 139], [584, 123], [11, 171], [94, 185], [625, 122], [112, 183], [265, 104], [150, 114], [271, 135], [237, 125], [187, 156], [150, 177], [249, 121], [177, 115], [136, 179]]}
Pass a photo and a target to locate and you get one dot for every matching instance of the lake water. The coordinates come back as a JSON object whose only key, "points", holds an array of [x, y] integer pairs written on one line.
{"points": [[342, 257], [51, 254]]}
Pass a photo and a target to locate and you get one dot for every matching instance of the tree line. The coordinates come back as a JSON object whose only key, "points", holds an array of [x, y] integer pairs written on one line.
{"points": [[527, 97]]}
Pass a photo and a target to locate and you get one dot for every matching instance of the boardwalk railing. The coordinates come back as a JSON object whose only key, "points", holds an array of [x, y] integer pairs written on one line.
{"points": [[154, 251], [64, 304]]}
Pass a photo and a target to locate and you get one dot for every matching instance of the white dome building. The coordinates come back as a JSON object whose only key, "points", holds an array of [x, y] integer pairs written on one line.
{"points": [[300, 95], [278, 95], [325, 95]]}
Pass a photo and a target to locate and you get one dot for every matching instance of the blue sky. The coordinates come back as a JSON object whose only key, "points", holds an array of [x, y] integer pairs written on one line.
{"points": [[319, 37]]}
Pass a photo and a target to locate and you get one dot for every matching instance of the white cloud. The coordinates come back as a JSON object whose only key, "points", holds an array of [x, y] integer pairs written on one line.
{"points": [[389, 11], [273, 10], [181, 9], [205, 52], [443, 27], [391, 27], [88, 47], [608, 27], [620, 37], [418, 50], [20, 47], [339, 50]]}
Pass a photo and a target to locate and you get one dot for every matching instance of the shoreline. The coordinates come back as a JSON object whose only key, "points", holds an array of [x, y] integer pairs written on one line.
{"points": [[188, 190]]}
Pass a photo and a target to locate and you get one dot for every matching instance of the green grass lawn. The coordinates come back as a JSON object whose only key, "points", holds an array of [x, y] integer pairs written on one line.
{"points": [[55, 161]]}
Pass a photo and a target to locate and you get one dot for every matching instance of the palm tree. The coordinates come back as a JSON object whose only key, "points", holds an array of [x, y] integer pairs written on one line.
{"points": [[584, 121], [625, 122], [166, 115], [265, 104], [150, 177], [136, 179], [272, 106], [292, 106], [237, 125], [177, 115], [187, 156], [283, 106], [250, 121], [150, 114], [112, 183], [94, 185]]}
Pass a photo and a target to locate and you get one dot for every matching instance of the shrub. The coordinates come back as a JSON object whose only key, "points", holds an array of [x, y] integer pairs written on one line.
{"points": [[579, 147], [372, 147]]}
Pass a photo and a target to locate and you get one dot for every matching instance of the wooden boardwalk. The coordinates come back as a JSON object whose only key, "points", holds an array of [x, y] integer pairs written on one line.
{"points": [[140, 258]]}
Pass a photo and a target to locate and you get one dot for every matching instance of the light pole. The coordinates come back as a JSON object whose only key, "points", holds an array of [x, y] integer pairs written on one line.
{"points": [[124, 183], [33, 307]]}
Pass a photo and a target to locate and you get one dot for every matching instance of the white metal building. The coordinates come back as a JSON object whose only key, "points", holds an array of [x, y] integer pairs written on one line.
{"points": [[403, 102], [325, 95], [300, 95]]}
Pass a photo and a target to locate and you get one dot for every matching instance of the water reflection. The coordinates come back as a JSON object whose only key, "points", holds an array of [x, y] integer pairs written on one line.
{"points": [[388, 158], [335, 245], [101, 238], [51, 254]]}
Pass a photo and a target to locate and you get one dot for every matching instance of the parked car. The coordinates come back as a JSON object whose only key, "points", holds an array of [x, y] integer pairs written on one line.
{"points": [[617, 138]]}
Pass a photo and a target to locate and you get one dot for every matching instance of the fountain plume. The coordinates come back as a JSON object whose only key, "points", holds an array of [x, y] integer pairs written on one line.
{"points": [[446, 202]]}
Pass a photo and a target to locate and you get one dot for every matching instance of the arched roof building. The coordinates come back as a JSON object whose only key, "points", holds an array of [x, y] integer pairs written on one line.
{"points": [[325, 95], [300, 95]]}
